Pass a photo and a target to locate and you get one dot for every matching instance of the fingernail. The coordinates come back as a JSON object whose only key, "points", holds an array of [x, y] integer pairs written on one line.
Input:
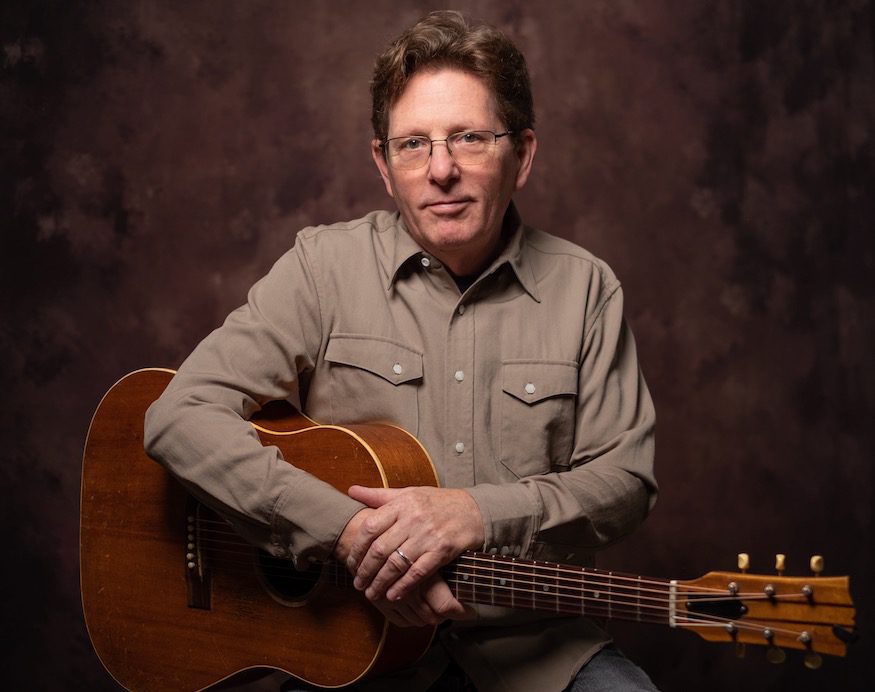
{"points": [[350, 564]]}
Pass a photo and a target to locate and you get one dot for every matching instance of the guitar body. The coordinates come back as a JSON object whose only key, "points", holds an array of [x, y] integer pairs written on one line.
{"points": [[159, 623], [175, 600]]}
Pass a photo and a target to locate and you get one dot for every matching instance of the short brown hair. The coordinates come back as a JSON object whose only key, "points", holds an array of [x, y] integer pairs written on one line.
{"points": [[446, 39]]}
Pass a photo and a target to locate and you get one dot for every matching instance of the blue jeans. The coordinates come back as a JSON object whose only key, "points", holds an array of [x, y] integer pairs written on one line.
{"points": [[608, 671]]}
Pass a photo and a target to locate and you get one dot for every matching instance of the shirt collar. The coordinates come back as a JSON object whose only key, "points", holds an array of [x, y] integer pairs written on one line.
{"points": [[405, 248], [514, 253]]}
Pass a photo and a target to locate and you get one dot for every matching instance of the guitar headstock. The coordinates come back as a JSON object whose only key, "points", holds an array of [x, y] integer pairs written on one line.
{"points": [[814, 614]]}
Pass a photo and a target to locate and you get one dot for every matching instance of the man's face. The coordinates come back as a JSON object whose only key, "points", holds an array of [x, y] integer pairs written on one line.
{"points": [[454, 212]]}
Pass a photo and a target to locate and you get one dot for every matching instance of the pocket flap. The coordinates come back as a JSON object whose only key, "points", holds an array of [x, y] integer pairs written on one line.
{"points": [[387, 359], [534, 381]]}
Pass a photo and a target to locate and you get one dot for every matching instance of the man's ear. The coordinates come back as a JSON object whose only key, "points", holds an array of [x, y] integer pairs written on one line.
{"points": [[525, 151], [382, 166]]}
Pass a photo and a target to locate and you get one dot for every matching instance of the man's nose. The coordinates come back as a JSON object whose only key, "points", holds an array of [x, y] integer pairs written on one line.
{"points": [[442, 167]]}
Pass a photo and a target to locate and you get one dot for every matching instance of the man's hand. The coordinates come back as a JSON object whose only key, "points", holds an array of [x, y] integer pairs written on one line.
{"points": [[402, 540], [430, 603]]}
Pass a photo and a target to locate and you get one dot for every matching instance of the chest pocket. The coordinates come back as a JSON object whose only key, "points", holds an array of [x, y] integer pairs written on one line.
{"points": [[374, 379], [537, 415]]}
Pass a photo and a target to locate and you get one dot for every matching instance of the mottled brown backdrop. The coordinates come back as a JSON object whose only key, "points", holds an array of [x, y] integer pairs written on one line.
{"points": [[157, 156]]}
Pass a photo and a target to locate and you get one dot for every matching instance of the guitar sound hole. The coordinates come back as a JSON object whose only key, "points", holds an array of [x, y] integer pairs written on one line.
{"points": [[284, 582]]}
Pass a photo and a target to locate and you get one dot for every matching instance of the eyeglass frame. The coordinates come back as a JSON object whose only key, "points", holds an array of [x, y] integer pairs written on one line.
{"points": [[446, 140]]}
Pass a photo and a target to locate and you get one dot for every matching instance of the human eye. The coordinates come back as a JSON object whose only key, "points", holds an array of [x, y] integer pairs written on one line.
{"points": [[411, 144], [470, 138]]}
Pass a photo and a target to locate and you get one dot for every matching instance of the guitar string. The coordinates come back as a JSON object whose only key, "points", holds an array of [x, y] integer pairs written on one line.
{"points": [[514, 569], [561, 590], [246, 556], [521, 586], [511, 568], [226, 531], [593, 607], [641, 611]]}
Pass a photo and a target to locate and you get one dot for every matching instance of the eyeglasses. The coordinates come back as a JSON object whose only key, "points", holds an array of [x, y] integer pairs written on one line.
{"points": [[466, 148]]}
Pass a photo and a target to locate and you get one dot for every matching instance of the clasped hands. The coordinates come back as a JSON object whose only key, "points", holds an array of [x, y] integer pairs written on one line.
{"points": [[395, 547]]}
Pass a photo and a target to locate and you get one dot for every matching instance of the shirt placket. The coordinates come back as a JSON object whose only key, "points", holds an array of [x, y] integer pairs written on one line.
{"points": [[459, 372]]}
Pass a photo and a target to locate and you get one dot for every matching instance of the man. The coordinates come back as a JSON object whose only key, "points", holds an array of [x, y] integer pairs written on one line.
{"points": [[503, 349]]}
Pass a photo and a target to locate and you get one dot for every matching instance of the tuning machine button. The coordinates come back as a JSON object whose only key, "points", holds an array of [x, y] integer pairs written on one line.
{"points": [[775, 655], [743, 562], [816, 564], [780, 562], [813, 660]]}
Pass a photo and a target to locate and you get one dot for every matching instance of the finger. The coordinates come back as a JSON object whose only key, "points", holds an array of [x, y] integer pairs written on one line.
{"points": [[440, 600], [397, 565], [425, 566], [410, 613], [372, 497], [382, 558], [374, 526], [414, 613]]}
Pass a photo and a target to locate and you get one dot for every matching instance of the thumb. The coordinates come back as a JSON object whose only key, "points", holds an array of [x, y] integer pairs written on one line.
{"points": [[372, 497]]}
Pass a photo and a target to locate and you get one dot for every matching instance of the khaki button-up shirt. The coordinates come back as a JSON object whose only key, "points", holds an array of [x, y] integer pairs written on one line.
{"points": [[525, 390]]}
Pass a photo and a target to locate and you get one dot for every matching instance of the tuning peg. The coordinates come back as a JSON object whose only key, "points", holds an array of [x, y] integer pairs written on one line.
{"points": [[816, 564], [813, 660], [780, 561], [743, 562], [775, 654]]}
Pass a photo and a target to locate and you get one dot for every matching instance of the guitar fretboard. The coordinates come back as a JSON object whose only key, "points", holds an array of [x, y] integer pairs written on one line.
{"points": [[497, 580]]}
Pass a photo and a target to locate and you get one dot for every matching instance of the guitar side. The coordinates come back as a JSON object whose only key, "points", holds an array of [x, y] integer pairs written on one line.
{"points": [[136, 578]]}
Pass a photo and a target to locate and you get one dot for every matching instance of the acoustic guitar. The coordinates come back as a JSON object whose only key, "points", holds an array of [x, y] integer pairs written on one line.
{"points": [[175, 600]]}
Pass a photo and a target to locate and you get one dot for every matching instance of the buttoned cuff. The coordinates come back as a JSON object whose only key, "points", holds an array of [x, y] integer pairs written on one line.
{"points": [[308, 519], [511, 516]]}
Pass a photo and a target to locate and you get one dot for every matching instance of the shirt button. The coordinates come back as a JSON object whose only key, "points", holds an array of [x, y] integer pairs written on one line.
{"points": [[460, 447], [459, 375], [426, 262], [530, 388], [461, 309], [397, 369]]}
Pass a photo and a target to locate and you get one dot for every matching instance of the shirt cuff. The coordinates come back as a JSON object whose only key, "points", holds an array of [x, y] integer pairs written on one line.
{"points": [[308, 520], [511, 516]]}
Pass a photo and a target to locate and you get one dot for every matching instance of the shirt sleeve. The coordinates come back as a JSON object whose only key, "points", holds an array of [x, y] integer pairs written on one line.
{"points": [[608, 486], [199, 431]]}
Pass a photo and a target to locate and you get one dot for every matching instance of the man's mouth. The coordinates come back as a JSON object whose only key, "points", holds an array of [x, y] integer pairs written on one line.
{"points": [[447, 207]]}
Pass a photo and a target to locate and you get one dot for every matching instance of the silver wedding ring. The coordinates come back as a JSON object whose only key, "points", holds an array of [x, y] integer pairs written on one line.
{"points": [[404, 557]]}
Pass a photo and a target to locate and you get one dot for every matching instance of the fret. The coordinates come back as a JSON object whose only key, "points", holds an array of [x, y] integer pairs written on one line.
{"points": [[488, 580], [567, 591], [512, 583], [638, 598], [463, 587], [610, 592], [503, 583], [544, 593], [595, 594], [583, 590], [524, 583]]}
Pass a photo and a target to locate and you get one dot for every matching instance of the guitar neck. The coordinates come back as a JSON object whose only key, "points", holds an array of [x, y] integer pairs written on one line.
{"points": [[486, 579]]}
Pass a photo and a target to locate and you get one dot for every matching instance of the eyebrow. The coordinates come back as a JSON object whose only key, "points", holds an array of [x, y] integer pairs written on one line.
{"points": [[473, 128]]}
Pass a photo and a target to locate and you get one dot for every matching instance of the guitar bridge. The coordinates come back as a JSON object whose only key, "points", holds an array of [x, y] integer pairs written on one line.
{"points": [[198, 579]]}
